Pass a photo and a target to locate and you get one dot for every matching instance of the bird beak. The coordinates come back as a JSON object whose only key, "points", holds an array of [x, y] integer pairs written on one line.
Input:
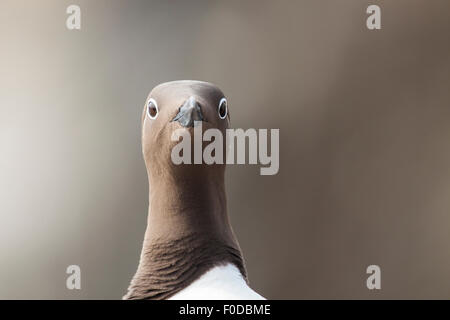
{"points": [[188, 113]]}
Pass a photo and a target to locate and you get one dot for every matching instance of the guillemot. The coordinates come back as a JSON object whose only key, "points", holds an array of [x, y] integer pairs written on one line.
{"points": [[190, 250]]}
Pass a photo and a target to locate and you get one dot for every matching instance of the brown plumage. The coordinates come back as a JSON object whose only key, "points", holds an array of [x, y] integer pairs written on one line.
{"points": [[168, 267], [188, 229]]}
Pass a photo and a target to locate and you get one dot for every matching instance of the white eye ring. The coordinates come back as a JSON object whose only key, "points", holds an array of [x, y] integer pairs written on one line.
{"points": [[223, 101], [152, 102]]}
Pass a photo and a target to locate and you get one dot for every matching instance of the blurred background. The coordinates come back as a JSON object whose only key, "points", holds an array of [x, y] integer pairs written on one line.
{"points": [[364, 119]]}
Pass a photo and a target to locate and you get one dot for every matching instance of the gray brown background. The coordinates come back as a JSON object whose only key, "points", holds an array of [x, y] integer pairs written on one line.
{"points": [[364, 120]]}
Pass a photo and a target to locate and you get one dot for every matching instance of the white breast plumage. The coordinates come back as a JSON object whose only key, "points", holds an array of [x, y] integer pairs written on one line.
{"points": [[219, 283]]}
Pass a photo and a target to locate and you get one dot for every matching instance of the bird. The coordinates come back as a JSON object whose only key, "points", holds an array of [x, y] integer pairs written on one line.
{"points": [[190, 250]]}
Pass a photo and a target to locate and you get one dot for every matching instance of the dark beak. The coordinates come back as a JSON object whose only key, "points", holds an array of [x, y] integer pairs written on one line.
{"points": [[189, 112]]}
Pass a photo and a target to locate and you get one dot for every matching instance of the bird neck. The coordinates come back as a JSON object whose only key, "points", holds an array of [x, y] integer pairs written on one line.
{"points": [[186, 205], [188, 232]]}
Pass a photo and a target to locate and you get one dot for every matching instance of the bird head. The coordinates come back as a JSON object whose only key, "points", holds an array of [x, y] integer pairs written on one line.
{"points": [[180, 106]]}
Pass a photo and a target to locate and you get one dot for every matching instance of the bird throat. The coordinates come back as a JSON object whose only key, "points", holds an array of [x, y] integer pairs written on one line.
{"points": [[188, 232]]}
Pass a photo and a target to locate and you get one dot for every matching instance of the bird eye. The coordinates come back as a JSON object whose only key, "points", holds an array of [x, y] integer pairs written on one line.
{"points": [[223, 108], [152, 109]]}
